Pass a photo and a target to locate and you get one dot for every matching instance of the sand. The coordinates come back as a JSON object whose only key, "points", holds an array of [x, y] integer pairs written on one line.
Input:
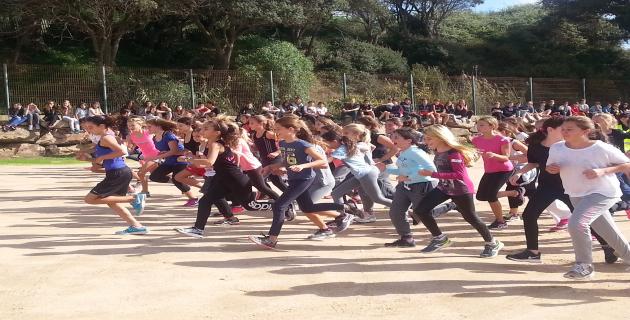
{"points": [[59, 259]]}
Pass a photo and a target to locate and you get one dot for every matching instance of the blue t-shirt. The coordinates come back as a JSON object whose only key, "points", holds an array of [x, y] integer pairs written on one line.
{"points": [[295, 153], [162, 146], [359, 163]]}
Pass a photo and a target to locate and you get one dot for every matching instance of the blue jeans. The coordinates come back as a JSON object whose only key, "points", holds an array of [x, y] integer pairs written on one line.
{"points": [[17, 120]]}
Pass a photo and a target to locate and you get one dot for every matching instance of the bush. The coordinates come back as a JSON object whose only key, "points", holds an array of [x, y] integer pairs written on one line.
{"points": [[291, 69], [354, 55]]}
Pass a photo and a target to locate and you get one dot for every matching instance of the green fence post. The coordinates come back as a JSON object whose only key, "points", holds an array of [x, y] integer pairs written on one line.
{"points": [[104, 79], [474, 95], [7, 100], [273, 94], [345, 87], [584, 88], [413, 98], [192, 89], [531, 89]]}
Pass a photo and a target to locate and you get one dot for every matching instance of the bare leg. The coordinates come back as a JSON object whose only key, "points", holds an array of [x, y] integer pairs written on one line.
{"points": [[91, 198], [497, 210], [186, 177], [125, 214]]}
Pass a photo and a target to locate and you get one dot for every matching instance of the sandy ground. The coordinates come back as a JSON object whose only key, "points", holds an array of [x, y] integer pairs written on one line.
{"points": [[59, 259]]}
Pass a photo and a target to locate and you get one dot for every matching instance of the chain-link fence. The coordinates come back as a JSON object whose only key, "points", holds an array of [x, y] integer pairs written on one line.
{"points": [[231, 89]]}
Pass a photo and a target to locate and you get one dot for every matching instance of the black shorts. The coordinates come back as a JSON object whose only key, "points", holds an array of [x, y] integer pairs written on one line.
{"points": [[116, 183], [490, 185]]}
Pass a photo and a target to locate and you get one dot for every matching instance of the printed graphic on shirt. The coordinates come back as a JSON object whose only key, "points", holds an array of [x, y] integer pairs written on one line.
{"points": [[289, 155]]}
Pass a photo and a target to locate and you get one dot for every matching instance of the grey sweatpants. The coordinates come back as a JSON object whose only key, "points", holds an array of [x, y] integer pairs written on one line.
{"points": [[404, 197], [591, 211], [369, 185], [387, 189]]}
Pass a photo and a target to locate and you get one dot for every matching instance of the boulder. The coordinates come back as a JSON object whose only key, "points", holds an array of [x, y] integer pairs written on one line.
{"points": [[18, 135], [460, 132], [22, 150], [61, 139], [68, 150]]}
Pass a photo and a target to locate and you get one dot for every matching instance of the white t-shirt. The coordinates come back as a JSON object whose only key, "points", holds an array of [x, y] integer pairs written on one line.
{"points": [[573, 162]]}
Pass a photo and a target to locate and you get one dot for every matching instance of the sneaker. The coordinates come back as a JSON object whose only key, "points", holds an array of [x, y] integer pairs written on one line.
{"points": [[332, 224], [436, 244], [289, 215], [137, 185], [520, 194], [401, 243], [368, 217], [344, 222], [132, 230], [215, 214], [496, 225], [512, 217], [227, 221], [30, 127], [561, 225], [491, 250], [191, 202], [238, 210], [138, 203], [628, 213], [609, 254], [351, 208], [357, 199], [263, 241], [580, 271], [524, 256], [147, 194], [322, 235], [191, 232]]}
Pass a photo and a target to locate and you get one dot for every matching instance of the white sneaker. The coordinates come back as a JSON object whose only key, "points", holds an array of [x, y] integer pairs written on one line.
{"points": [[580, 271], [191, 232], [368, 217]]}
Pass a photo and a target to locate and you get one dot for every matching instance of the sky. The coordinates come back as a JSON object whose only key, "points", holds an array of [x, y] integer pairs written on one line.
{"points": [[495, 5]]}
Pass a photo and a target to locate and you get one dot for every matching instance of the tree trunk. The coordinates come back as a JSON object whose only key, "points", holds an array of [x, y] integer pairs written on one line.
{"points": [[224, 55]]}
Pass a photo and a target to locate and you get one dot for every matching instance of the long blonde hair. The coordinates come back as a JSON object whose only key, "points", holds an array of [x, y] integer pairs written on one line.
{"points": [[360, 131], [444, 134]]}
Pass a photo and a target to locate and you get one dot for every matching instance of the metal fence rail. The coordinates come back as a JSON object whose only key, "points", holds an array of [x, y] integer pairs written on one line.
{"points": [[231, 89]]}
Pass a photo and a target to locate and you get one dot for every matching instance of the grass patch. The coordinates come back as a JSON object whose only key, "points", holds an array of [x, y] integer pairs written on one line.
{"points": [[39, 161]]}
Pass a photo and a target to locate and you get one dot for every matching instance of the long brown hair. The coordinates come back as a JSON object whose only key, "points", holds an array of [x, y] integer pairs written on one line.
{"points": [[266, 122], [229, 130], [302, 131], [166, 125]]}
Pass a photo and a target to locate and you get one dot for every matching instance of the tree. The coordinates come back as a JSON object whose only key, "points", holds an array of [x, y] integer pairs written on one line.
{"points": [[615, 11], [373, 15], [424, 17], [223, 22], [314, 14], [21, 21], [106, 21]]}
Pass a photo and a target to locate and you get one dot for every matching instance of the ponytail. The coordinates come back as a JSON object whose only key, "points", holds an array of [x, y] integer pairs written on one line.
{"points": [[540, 135]]}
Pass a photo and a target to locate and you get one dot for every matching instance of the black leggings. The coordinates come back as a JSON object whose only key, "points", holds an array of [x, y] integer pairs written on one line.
{"points": [[465, 205], [490, 184], [515, 202], [217, 189], [538, 202], [278, 182], [297, 191], [258, 182], [160, 174]]}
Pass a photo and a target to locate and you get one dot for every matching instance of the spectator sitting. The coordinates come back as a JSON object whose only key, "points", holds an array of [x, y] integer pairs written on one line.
{"points": [[561, 110], [17, 115], [271, 109], [365, 109], [607, 108], [439, 112], [68, 116], [310, 108], [213, 110], [247, 109], [81, 112], [461, 109], [509, 110], [32, 114], [350, 111], [321, 109], [596, 108], [583, 107], [177, 113], [497, 111], [164, 111], [95, 109], [402, 110], [387, 107]]}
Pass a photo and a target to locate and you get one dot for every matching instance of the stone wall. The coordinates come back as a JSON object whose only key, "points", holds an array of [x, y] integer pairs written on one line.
{"points": [[24, 143]]}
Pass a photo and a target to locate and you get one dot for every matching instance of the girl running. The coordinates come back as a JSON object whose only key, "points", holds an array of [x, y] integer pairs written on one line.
{"points": [[188, 176], [300, 157], [141, 138], [356, 154], [170, 149], [593, 187], [265, 141], [495, 152], [451, 159], [112, 191], [228, 179]]}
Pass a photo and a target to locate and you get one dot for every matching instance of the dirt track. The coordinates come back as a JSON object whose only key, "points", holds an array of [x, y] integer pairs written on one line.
{"points": [[59, 259]]}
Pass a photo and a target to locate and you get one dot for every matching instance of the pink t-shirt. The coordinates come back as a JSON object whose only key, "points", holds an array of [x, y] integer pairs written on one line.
{"points": [[144, 143], [247, 161], [493, 145]]}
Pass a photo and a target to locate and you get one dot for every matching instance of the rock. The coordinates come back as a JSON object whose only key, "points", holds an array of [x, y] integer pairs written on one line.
{"points": [[61, 139], [51, 150], [22, 150], [68, 151], [18, 135]]}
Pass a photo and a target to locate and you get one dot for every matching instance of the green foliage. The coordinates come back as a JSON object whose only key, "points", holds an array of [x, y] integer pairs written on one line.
{"points": [[354, 55], [291, 68]]}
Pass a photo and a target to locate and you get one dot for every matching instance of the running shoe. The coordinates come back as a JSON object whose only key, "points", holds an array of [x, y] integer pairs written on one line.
{"points": [[402, 243], [215, 214], [332, 224], [496, 225], [191, 202], [289, 215], [263, 241], [581, 271], [132, 230], [609, 254], [137, 185], [227, 221], [191, 232], [367, 217], [628, 213], [322, 235], [357, 199], [563, 224], [525, 256], [138, 204], [512, 217], [238, 210], [343, 222], [436, 244], [491, 250]]}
